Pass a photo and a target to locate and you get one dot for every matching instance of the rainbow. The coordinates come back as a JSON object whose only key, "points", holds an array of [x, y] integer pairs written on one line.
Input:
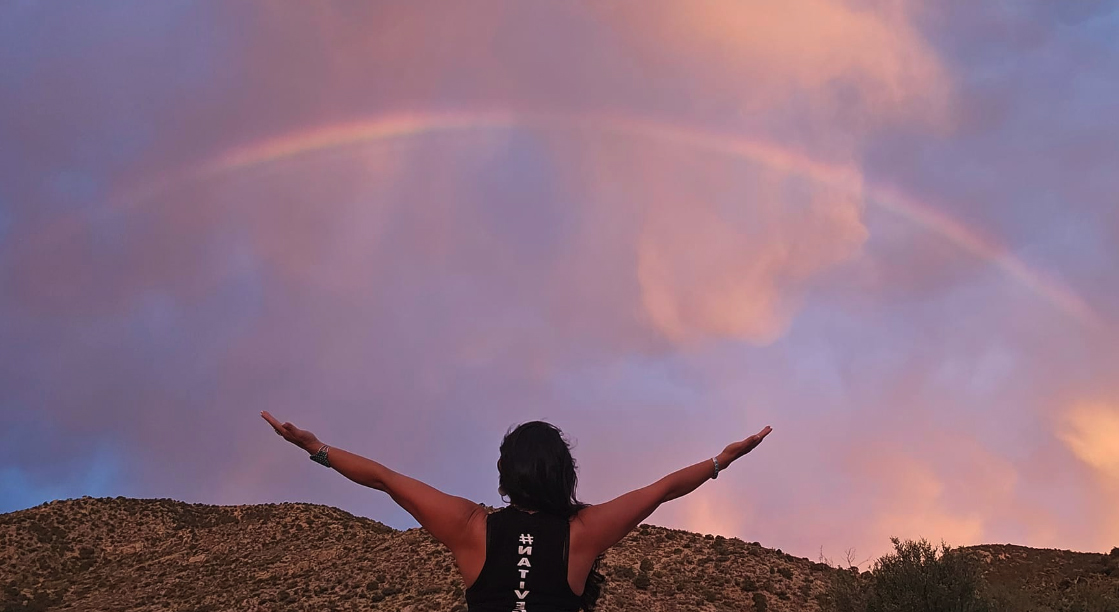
{"points": [[410, 124]]}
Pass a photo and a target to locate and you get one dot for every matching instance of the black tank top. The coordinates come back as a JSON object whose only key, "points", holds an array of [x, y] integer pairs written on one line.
{"points": [[526, 565]]}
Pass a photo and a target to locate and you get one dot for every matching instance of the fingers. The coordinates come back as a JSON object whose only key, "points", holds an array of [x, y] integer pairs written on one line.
{"points": [[271, 420], [750, 443], [285, 430], [758, 436]]}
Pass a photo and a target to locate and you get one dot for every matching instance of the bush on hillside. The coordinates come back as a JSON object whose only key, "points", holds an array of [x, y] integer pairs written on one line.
{"points": [[847, 592], [916, 577], [919, 577]]}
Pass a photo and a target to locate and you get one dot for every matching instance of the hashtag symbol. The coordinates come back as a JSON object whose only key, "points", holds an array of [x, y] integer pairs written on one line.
{"points": [[526, 538]]}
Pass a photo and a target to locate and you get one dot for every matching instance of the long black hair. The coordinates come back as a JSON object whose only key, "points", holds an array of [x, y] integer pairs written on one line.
{"points": [[537, 472]]}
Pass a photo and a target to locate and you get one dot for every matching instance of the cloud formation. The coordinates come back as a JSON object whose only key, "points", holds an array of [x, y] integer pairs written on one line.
{"points": [[832, 59], [410, 297], [1092, 434]]}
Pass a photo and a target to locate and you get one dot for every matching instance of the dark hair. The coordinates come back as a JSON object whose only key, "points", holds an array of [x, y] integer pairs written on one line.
{"points": [[537, 472]]}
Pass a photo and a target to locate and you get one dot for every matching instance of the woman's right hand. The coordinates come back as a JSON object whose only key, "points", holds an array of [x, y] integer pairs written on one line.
{"points": [[299, 437], [734, 450]]}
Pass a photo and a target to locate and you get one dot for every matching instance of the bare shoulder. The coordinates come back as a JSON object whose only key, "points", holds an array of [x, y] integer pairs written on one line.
{"points": [[471, 555], [600, 526], [477, 520], [581, 553], [475, 531], [577, 534]]}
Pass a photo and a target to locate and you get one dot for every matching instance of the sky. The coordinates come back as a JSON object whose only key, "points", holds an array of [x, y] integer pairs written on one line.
{"points": [[889, 229]]}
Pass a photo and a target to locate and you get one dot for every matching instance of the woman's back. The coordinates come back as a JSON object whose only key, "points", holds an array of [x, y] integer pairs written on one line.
{"points": [[513, 559], [526, 564]]}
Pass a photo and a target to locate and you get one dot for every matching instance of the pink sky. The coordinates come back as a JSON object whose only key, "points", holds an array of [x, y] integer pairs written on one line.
{"points": [[886, 228]]}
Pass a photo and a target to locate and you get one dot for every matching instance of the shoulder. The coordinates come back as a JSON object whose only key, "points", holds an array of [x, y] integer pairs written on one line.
{"points": [[577, 526], [478, 519]]}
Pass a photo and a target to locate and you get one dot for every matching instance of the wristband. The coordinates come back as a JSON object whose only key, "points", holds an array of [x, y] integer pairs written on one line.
{"points": [[716, 460], [320, 457]]}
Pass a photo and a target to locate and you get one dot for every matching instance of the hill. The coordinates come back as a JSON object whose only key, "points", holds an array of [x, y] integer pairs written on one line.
{"points": [[159, 554], [1042, 579]]}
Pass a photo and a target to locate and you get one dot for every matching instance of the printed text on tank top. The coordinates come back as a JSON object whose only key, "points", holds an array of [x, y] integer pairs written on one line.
{"points": [[524, 566], [572, 563]]}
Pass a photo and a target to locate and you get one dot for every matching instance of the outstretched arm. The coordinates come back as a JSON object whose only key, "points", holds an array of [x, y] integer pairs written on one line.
{"points": [[606, 524], [444, 516]]}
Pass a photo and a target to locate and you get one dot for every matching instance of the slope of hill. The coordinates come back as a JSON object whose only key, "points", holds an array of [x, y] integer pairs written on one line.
{"points": [[1042, 579], [131, 554], [157, 554]]}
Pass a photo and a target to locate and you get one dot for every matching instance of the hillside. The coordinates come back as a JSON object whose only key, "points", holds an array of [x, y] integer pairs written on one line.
{"points": [[131, 554], [1042, 579]]}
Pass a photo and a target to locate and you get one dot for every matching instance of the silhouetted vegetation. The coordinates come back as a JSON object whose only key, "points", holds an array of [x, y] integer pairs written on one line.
{"points": [[920, 577]]}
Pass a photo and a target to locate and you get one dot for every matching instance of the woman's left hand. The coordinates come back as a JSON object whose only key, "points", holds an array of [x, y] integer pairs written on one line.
{"points": [[299, 437]]}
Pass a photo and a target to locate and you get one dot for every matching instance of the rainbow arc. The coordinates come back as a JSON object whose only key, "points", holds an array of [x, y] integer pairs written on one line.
{"points": [[411, 124]]}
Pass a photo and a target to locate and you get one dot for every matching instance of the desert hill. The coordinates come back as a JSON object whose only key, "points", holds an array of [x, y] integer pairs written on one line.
{"points": [[157, 554], [1043, 579]]}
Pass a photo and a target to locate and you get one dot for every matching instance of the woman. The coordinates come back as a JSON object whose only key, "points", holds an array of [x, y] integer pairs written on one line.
{"points": [[540, 553]]}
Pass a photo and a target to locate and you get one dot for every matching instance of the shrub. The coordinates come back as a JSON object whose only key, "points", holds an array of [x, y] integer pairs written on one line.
{"points": [[641, 581], [761, 604], [918, 577]]}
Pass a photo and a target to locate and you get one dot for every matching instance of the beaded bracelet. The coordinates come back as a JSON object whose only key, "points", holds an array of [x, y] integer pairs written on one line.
{"points": [[320, 457], [716, 460]]}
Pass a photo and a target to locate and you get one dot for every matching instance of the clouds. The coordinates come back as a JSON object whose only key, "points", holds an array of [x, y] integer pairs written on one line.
{"points": [[859, 63], [1091, 432], [713, 265], [649, 246]]}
